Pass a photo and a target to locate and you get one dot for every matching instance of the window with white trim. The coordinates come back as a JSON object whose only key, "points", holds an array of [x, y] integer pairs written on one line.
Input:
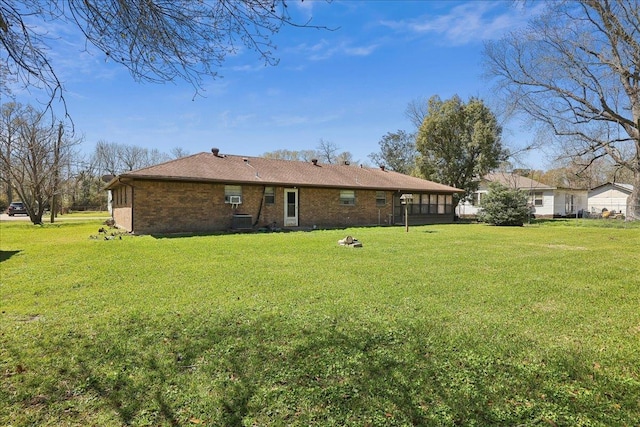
{"points": [[269, 195], [232, 190], [348, 197], [536, 198]]}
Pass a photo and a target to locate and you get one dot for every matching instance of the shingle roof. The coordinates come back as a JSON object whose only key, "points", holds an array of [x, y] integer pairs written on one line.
{"points": [[207, 167], [516, 181], [619, 185]]}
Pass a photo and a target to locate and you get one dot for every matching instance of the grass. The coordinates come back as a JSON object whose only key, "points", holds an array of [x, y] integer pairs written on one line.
{"points": [[445, 325]]}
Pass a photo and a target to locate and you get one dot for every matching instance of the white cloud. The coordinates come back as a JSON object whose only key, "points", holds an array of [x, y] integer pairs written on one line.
{"points": [[324, 50], [230, 120], [294, 120], [469, 22]]}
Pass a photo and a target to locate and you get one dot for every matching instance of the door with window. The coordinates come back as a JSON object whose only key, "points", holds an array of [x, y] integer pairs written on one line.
{"points": [[290, 207]]}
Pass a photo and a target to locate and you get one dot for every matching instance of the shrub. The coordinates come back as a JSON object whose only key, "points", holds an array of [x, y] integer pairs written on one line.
{"points": [[504, 206]]}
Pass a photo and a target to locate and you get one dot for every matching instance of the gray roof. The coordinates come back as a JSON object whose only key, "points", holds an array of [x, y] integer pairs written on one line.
{"points": [[512, 180], [233, 169], [624, 187]]}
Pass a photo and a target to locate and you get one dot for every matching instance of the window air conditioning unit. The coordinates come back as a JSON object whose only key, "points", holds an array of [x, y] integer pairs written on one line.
{"points": [[235, 200]]}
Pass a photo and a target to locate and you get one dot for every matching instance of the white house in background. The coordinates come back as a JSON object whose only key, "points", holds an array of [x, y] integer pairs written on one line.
{"points": [[545, 201], [611, 196]]}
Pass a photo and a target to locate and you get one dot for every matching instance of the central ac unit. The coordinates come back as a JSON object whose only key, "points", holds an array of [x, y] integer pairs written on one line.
{"points": [[235, 200]]}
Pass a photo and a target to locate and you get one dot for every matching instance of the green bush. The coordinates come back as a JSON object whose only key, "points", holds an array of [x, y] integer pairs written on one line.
{"points": [[504, 206]]}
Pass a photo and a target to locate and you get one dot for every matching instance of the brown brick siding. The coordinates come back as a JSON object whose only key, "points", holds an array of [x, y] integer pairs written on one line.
{"points": [[321, 207], [172, 207]]}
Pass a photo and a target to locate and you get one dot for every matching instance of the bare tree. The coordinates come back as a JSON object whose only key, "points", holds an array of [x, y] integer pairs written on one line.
{"points": [[327, 151], [283, 154], [33, 152], [576, 70], [111, 158], [106, 158], [133, 157], [417, 110], [308, 155], [178, 152], [157, 41]]}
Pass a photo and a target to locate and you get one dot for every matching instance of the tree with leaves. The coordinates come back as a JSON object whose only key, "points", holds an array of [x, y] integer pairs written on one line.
{"points": [[504, 206], [576, 70], [459, 142], [156, 40], [397, 152]]}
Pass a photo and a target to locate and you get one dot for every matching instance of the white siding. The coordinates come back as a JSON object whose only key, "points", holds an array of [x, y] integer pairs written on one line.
{"points": [[547, 204], [562, 202], [609, 197]]}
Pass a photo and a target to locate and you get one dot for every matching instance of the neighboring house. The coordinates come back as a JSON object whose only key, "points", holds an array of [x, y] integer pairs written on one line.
{"points": [[211, 191], [545, 201], [610, 196]]}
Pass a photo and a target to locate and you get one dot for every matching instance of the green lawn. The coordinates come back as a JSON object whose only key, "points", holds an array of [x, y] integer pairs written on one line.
{"points": [[447, 325]]}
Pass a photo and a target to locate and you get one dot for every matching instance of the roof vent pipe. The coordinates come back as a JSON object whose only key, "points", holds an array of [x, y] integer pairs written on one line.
{"points": [[382, 168], [215, 151], [315, 162]]}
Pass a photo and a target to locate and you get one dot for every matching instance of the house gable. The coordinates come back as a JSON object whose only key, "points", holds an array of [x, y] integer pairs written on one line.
{"points": [[610, 196]]}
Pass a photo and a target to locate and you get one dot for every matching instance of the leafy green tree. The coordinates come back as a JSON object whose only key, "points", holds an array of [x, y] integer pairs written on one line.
{"points": [[397, 151], [459, 142], [504, 206]]}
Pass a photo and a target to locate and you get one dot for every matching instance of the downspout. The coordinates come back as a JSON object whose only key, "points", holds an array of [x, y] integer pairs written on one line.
{"points": [[264, 192]]}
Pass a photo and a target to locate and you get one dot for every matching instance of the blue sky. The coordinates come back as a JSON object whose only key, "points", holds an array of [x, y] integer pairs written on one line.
{"points": [[349, 86]]}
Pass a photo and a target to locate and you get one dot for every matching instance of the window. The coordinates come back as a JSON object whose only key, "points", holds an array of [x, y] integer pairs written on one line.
{"points": [[429, 204], [381, 198], [347, 197], [269, 195], [477, 198], [568, 203], [424, 206], [441, 204], [433, 203], [536, 198], [232, 190]]}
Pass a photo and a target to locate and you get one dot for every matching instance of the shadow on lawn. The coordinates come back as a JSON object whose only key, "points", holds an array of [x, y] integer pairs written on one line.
{"points": [[5, 255], [264, 370]]}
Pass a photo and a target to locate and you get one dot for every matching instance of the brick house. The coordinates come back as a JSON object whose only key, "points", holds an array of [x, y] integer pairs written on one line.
{"points": [[212, 192]]}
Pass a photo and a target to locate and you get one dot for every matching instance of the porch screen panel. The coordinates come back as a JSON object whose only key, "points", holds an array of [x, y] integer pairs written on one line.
{"points": [[433, 203], [424, 205], [441, 204]]}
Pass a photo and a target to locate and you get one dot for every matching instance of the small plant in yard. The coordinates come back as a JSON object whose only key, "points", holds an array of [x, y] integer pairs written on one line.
{"points": [[504, 206]]}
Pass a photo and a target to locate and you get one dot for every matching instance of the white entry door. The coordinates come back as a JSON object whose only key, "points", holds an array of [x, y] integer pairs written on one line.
{"points": [[290, 207]]}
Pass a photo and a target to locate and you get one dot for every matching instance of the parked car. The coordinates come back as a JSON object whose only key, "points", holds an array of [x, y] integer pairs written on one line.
{"points": [[16, 208]]}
